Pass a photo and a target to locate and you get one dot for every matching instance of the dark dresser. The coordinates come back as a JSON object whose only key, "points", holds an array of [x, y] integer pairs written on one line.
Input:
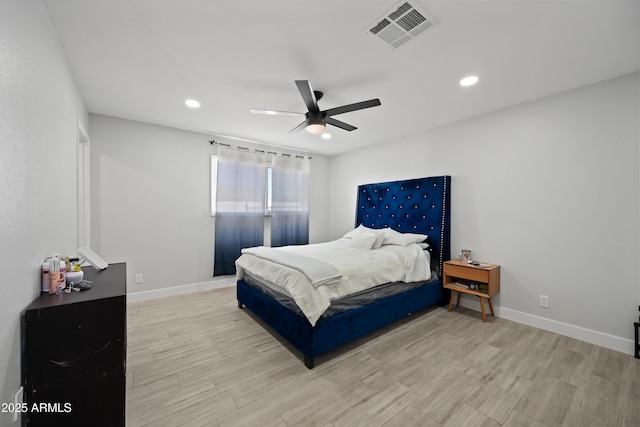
{"points": [[74, 354]]}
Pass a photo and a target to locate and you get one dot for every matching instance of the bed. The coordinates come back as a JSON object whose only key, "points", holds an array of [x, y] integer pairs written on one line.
{"points": [[415, 206]]}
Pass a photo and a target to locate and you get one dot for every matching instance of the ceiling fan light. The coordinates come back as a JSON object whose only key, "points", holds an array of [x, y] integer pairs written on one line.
{"points": [[316, 128]]}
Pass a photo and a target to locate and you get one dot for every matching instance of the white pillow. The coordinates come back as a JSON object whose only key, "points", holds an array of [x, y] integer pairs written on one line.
{"points": [[392, 237], [379, 233], [362, 240]]}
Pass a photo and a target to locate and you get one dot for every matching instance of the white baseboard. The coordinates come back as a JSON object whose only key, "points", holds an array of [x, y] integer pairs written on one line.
{"points": [[611, 342], [221, 282]]}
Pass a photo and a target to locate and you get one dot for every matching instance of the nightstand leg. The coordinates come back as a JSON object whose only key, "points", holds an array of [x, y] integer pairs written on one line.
{"points": [[484, 315], [453, 294], [491, 307], [458, 300]]}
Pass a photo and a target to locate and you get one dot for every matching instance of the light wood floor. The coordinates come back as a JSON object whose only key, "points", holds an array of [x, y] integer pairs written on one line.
{"points": [[198, 360]]}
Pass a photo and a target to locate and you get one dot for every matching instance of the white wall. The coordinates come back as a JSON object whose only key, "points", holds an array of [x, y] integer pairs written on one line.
{"points": [[548, 189], [39, 106], [150, 191]]}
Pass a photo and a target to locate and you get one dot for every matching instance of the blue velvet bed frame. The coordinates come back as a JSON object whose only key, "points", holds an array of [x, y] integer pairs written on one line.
{"points": [[410, 206]]}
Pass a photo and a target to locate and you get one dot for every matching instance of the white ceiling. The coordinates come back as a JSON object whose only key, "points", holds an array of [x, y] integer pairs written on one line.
{"points": [[140, 60]]}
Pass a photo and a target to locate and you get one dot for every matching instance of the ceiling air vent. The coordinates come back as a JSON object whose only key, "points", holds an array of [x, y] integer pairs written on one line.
{"points": [[401, 24]]}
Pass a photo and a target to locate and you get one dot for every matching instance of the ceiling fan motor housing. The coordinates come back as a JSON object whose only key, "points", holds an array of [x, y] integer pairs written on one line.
{"points": [[315, 117], [316, 120]]}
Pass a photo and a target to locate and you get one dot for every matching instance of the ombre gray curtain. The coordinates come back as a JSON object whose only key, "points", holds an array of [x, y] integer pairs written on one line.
{"points": [[290, 200], [239, 205]]}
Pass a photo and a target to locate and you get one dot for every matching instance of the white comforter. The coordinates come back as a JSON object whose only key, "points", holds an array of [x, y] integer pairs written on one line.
{"points": [[360, 269]]}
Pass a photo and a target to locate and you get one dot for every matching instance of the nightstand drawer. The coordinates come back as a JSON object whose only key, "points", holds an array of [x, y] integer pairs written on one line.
{"points": [[469, 273]]}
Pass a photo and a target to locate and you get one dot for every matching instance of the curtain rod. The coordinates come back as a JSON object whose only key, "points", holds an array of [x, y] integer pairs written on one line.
{"points": [[299, 156]]}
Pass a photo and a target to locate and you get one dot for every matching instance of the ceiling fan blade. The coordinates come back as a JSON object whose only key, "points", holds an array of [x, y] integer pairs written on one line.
{"points": [[338, 123], [353, 107], [307, 95], [274, 112], [299, 127]]}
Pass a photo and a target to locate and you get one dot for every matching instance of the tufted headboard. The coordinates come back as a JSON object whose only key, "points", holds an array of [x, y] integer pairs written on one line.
{"points": [[421, 205]]}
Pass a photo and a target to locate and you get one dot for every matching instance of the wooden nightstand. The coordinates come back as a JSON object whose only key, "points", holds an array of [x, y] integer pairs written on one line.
{"points": [[457, 274]]}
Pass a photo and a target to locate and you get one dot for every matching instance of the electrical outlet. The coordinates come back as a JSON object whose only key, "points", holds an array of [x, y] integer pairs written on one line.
{"points": [[544, 301], [139, 278], [17, 400]]}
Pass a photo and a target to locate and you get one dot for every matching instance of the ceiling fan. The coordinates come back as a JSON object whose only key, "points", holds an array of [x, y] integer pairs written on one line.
{"points": [[315, 119]]}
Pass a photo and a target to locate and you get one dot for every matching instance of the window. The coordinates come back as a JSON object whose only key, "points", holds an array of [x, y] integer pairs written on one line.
{"points": [[246, 187], [255, 183], [230, 196]]}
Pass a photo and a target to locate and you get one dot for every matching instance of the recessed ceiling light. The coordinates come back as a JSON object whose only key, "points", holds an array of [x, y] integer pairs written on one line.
{"points": [[192, 103], [469, 81], [326, 136]]}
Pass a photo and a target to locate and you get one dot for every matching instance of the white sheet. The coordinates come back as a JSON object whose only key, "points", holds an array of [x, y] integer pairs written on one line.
{"points": [[361, 269]]}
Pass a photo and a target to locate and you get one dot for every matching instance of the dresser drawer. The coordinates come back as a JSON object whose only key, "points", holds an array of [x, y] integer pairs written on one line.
{"points": [[468, 273]]}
